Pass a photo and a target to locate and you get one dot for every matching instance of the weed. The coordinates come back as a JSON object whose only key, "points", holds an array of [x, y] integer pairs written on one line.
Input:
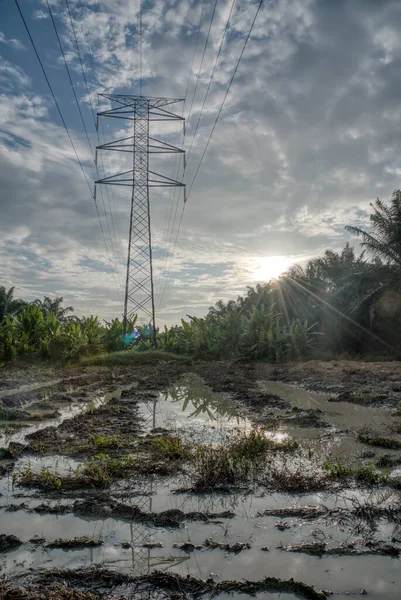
{"points": [[39, 447], [101, 442], [337, 469], [171, 447], [238, 461], [49, 480], [256, 444], [367, 474], [215, 465], [127, 357], [374, 440], [46, 479], [100, 470], [363, 472]]}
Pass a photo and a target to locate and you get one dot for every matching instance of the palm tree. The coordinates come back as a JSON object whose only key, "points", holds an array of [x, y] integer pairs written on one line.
{"points": [[49, 305], [384, 244], [9, 306], [330, 291]]}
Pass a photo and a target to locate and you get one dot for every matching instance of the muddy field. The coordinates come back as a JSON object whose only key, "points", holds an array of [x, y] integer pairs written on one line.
{"points": [[179, 480]]}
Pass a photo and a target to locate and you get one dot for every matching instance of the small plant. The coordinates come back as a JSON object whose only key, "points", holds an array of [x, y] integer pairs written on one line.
{"points": [[361, 471], [171, 447], [337, 469], [46, 479], [101, 442], [256, 445], [39, 447], [367, 474], [49, 480], [102, 469], [214, 466]]}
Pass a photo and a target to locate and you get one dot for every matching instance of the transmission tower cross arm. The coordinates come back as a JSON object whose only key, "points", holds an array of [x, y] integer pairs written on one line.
{"points": [[128, 100], [139, 291]]}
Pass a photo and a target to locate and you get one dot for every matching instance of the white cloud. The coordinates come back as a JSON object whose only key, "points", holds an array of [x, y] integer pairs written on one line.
{"points": [[16, 44], [308, 136]]}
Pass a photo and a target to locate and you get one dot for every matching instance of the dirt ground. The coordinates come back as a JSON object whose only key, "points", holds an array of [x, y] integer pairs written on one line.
{"points": [[373, 383], [370, 383], [91, 453]]}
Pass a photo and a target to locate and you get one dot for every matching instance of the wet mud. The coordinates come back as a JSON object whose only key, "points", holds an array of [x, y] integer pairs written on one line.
{"points": [[357, 382], [105, 474]]}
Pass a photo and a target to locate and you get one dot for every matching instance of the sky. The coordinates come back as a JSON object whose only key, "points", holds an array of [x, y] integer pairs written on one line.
{"points": [[308, 136]]}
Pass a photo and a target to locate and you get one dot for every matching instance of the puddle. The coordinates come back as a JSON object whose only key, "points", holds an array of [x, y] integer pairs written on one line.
{"points": [[28, 388], [342, 415], [345, 420], [196, 412], [123, 545], [68, 412]]}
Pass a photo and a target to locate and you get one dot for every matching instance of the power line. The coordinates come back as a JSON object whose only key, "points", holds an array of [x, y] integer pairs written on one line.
{"points": [[197, 125], [117, 262], [69, 76], [195, 47], [61, 117], [225, 96], [211, 78], [54, 97], [80, 59], [103, 160], [201, 63], [168, 237], [213, 128], [198, 122], [116, 246], [200, 115], [172, 254]]}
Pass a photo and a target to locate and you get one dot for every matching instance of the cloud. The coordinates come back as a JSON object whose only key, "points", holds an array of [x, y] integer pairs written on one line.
{"points": [[307, 138], [16, 44]]}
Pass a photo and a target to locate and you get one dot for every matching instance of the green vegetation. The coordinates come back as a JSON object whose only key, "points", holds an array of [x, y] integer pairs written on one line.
{"points": [[128, 357], [236, 462], [44, 330], [98, 472], [372, 439], [363, 472], [171, 447], [45, 479], [101, 442], [101, 470], [338, 303]]}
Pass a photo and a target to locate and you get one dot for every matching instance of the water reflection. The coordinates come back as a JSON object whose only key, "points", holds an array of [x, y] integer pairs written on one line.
{"points": [[191, 407], [191, 392]]}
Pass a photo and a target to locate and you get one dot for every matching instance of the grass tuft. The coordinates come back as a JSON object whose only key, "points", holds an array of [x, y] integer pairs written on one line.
{"points": [[102, 442], [237, 461], [372, 439], [171, 447], [364, 472], [128, 357]]}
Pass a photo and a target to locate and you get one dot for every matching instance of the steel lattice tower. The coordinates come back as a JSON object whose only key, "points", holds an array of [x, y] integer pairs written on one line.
{"points": [[139, 293]]}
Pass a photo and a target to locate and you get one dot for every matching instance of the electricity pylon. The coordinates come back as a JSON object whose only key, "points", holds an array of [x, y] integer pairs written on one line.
{"points": [[139, 293]]}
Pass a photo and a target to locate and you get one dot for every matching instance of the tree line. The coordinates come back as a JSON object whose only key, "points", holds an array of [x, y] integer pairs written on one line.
{"points": [[339, 303]]}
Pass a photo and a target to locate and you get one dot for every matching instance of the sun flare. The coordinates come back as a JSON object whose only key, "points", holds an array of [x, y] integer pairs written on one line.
{"points": [[270, 267]]}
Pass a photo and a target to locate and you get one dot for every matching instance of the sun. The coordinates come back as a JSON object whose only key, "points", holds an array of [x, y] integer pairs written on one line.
{"points": [[270, 267]]}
